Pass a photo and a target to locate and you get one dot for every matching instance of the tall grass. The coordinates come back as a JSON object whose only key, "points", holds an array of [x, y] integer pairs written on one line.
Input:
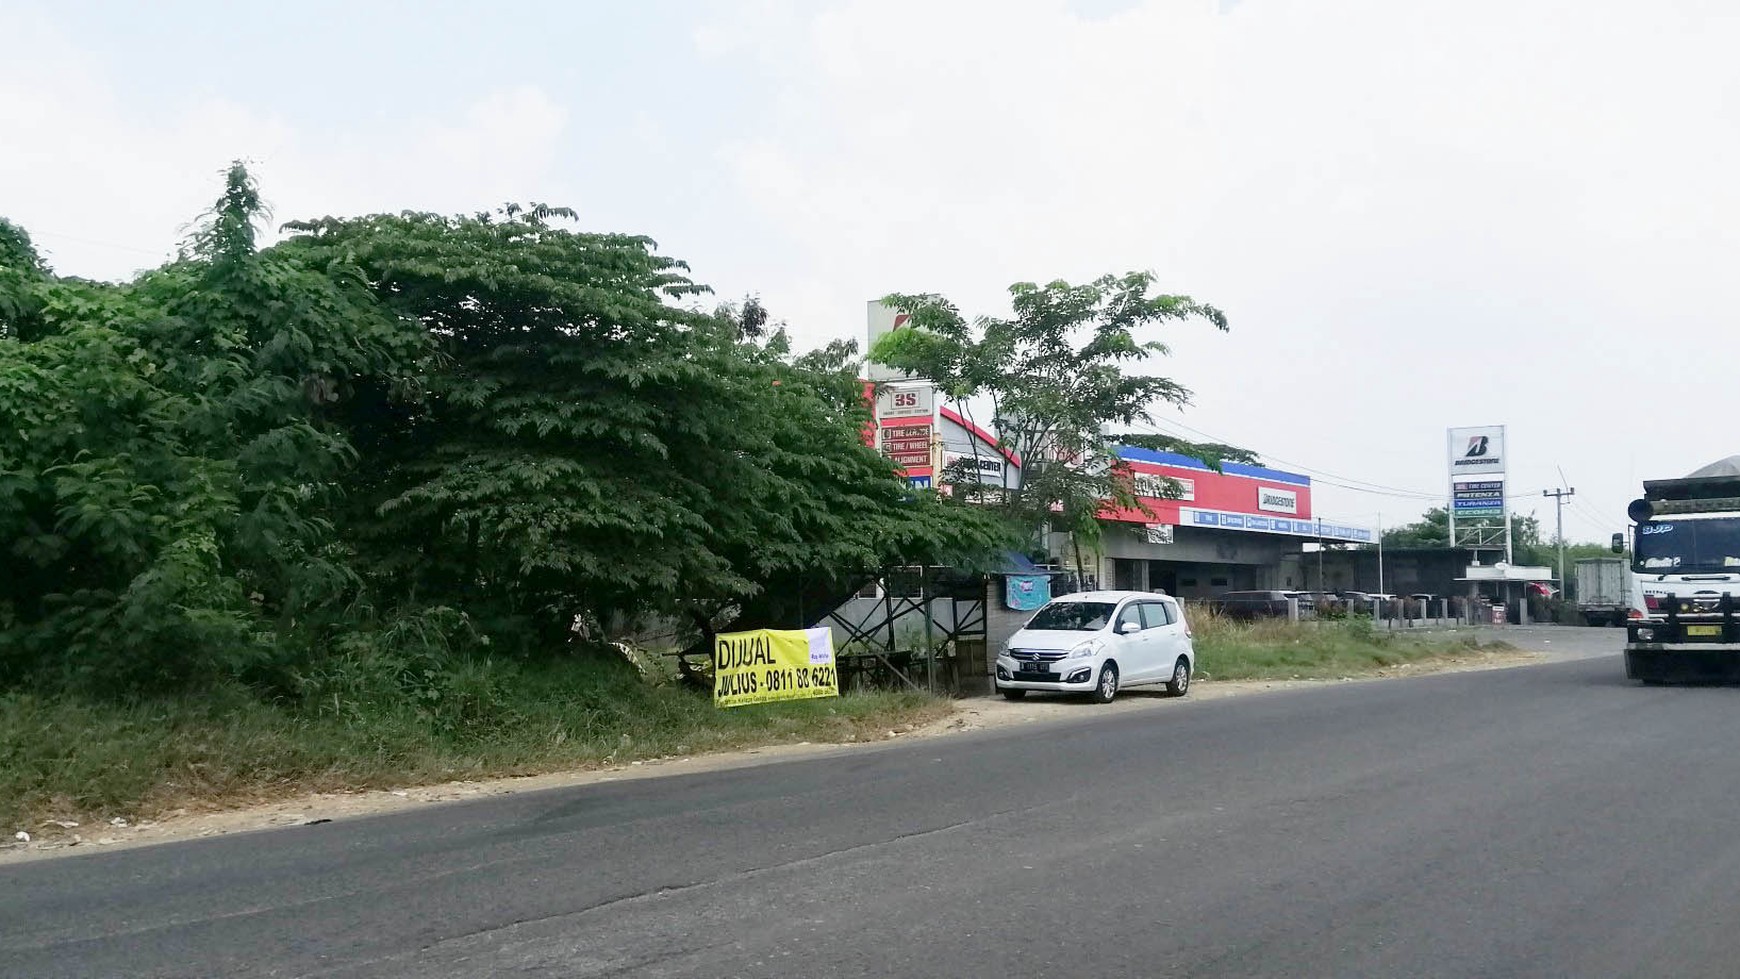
{"points": [[71, 757], [1269, 649]]}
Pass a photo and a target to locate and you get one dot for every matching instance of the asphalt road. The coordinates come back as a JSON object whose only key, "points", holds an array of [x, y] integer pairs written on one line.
{"points": [[1552, 820]]}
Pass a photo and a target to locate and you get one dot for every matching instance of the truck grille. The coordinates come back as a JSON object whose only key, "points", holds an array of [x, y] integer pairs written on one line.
{"points": [[1689, 618]]}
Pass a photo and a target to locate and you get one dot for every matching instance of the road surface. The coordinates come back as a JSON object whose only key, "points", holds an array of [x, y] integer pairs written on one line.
{"points": [[1551, 820]]}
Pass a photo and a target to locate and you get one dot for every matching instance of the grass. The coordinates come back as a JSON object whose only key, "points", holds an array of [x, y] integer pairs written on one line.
{"points": [[369, 723], [1276, 649], [82, 759]]}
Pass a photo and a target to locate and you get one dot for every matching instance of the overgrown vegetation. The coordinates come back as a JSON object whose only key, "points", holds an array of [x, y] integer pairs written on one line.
{"points": [[82, 759], [1277, 649], [427, 436], [377, 501]]}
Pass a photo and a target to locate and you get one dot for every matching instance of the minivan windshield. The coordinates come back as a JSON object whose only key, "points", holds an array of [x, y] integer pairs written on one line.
{"points": [[1073, 617], [1689, 546]]}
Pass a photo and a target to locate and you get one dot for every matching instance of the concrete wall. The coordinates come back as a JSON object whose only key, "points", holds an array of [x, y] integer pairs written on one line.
{"points": [[1406, 570], [1199, 563], [1198, 545]]}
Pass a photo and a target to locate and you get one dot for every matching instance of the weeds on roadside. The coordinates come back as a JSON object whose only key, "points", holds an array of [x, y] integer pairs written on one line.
{"points": [[1265, 649], [366, 724]]}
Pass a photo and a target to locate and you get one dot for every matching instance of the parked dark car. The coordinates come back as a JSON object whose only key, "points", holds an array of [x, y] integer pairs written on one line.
{"points": [[1259, 604]]}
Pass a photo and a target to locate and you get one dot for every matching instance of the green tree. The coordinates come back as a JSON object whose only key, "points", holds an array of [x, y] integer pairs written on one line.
{"points": [[417, 434], [166, 469], [592, 450], [1431, 530], [1057, 378]]}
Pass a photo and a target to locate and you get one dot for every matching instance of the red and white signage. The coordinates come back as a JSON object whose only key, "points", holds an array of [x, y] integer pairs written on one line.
{"points": [[883, 319], [1153, 486], [1271, 499], [1227, 492], [905, 402], [908, 443]]}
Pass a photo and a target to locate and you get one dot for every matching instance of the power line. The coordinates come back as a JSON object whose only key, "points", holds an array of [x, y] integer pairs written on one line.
{"points": [[1327, 478], [1583, 508], [100, 244], [1602, 525], [1322, 475], [1301, 466]]}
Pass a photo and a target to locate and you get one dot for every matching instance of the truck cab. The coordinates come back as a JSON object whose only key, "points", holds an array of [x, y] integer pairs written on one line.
{"points": [[1685, 568]]}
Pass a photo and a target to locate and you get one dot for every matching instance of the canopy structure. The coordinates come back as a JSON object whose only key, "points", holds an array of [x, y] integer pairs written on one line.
{"points": [[1506, 572], [1721, 467], [1502, 576]]}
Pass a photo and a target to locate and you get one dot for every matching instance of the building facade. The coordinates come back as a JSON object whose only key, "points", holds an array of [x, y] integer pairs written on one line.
{"points": [[1198, 532]]}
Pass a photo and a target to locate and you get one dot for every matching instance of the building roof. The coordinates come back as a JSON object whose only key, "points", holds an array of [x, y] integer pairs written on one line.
{"points": [[1721, 467], [1230, 468], [979, 433]]}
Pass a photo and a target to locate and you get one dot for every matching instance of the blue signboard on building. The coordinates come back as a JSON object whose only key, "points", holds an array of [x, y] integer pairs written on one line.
{"points": [[1276, 525]]}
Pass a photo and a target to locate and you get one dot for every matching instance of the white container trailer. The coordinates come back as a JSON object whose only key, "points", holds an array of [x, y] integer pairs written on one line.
{"points": [[1603, 590]]}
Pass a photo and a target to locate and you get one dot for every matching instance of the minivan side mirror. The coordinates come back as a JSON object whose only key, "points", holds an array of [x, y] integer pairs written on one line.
{"points": [[1125, 628]]}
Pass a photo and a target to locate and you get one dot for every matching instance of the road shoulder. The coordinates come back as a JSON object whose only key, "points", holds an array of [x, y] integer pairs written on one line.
{"points": [[970, 714]]}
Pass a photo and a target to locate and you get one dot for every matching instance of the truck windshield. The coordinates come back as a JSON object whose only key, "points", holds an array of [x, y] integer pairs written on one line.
{"points": [[1072, 617], [1689, 546]]}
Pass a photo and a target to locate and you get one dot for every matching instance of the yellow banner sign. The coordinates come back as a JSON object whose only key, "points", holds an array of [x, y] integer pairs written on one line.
{"points": [[773, 664]]}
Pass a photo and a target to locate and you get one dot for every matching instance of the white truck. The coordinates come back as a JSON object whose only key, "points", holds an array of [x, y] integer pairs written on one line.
{"points": [[1603, 590], [1685, 567]]}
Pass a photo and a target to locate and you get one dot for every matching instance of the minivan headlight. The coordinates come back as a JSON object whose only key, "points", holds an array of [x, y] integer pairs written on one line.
{"points": [[1083, 650]]}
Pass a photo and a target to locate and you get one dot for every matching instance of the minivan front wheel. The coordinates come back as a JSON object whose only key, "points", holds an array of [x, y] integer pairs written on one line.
{"points": [[1107, 687], [1179, 685]]}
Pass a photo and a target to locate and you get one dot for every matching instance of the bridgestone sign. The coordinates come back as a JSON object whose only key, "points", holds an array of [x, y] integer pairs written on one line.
{"points": [[1477, 464], [1477, 451], [1277, 500]]}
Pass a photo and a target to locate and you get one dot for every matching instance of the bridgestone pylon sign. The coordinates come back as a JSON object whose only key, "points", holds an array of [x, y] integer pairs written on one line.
{"points": [[1477, 464], [1476, 451]]}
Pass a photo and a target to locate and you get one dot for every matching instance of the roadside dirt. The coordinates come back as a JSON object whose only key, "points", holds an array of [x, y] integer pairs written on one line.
{"points": [[62, 838]]}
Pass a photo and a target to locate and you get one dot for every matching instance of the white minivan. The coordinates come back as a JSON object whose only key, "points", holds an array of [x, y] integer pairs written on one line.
{"points": [[1097, 643]]}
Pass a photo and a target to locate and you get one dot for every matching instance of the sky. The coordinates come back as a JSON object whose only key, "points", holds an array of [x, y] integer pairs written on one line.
{"points": [[1416, 215]]}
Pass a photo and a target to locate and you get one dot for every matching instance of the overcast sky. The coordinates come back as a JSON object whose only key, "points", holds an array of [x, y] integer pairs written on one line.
{"points": [[1416, 214]]}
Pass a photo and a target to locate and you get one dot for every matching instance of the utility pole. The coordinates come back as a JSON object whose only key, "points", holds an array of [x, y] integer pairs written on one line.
{"points": [[1559, 496], [1380, 554]]}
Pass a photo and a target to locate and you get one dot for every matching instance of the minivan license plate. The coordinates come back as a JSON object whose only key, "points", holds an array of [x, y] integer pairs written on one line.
{"points": [[1705, 631], [1039, 668]]}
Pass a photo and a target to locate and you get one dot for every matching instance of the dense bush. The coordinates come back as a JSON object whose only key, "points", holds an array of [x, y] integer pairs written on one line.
{"points": [[393, 450]]}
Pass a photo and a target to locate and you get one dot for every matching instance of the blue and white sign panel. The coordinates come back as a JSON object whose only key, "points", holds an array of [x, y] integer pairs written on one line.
{"points": [[1477, 498], [1222, 520]]}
